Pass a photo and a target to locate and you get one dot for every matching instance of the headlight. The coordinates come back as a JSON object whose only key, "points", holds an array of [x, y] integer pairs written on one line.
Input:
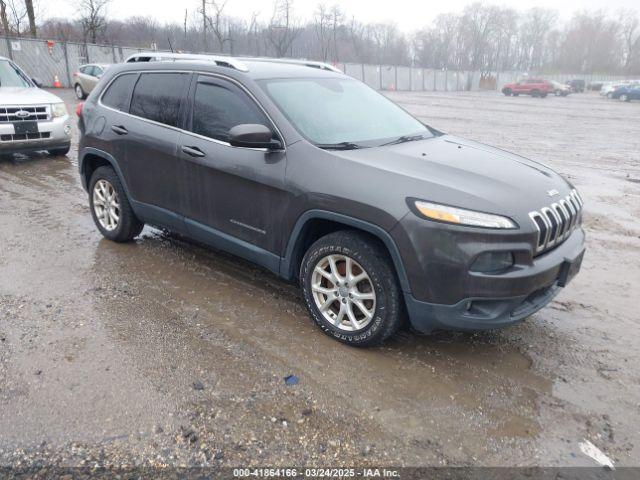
{"points": [[460, 216], [58, 110]]}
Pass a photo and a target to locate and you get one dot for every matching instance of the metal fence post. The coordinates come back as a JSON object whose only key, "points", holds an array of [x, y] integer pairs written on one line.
{"points": [[395, 77], [423, 75], [113, 53], [9, 47], [380, 72], [66, 63]]}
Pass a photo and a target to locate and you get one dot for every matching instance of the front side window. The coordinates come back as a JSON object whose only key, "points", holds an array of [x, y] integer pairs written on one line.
{"points": [[330, 111], [10, 76], [118, 93], [219, 106], [157, 96]]}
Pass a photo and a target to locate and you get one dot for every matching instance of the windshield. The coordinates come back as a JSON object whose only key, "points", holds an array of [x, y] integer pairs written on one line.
{"points": [[10, 76], [342, 112]]}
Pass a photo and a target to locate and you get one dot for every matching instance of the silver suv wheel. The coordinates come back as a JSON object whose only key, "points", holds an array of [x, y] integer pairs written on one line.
{"points": [[106, 205], [343, 292]]}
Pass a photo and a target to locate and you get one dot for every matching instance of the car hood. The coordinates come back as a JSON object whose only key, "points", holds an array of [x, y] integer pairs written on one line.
{"points": [[26, 96], [464, 173]]}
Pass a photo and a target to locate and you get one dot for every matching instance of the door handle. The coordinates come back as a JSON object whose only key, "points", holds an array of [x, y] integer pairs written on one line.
{"points": [[119, 129], [193, 151]]}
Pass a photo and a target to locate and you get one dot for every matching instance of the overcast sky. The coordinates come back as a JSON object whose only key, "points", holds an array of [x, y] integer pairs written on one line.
{"points": [[407, 14]]}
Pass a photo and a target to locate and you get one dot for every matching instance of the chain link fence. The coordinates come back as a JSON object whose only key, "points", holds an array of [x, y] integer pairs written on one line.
{"points": [[51, 61]]}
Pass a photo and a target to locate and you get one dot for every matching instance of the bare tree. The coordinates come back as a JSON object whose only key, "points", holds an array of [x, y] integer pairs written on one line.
{"points": [[219, 25], [93, 18], [321, 20], [32, 17], [283, 29], [5, 19]]}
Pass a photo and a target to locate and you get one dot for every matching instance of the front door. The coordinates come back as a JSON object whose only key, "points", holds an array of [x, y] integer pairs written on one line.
{"points": [[239, 193]]}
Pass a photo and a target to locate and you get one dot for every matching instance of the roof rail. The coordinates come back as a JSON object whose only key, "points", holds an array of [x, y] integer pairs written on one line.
{"points": [[221, 61], [291, 61]]}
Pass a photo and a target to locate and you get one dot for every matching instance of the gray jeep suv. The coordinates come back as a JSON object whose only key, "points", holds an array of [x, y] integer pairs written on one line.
{"points": [[318, 178]]}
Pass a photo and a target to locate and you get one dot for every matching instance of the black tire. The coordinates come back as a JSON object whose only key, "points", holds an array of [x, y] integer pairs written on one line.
{"points": [[516, 94], [128, 226], [624, 98], [507, 92], [535, 93], [543, 95], [388, 315], [59, 151], [79, 91]]}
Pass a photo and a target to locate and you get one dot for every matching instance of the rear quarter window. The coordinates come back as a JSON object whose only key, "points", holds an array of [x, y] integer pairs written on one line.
{"points": [[157, 97], [119, 91]]}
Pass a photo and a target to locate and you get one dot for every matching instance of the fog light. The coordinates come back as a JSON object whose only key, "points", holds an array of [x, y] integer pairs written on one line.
{"points": [[490, 262]]}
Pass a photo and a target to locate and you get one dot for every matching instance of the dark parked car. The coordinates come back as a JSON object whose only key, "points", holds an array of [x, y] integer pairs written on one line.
{"points": [[576, 84], [626, 93], [320, 179]]}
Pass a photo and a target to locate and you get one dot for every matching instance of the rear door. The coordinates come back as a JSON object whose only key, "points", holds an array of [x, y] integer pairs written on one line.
{"points": [[236, 191], [151, 132]]}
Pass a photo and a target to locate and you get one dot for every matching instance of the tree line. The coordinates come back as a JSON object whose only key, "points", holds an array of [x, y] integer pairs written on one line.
{"points": [[481, 37]]}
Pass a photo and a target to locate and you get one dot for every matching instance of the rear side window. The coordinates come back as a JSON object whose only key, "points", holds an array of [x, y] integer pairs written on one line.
{"points": [[219, 106], [157, 97], [117, 94]]}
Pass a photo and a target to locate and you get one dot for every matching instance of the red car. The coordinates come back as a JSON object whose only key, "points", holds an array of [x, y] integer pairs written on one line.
{"points": [[535, 87]]}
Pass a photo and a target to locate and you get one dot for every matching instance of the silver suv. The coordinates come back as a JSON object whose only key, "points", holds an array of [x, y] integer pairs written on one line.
{"points": [[31, 119]]}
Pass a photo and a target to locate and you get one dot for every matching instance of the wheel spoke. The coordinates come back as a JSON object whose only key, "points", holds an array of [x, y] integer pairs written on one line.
{"points": [[327, 304], [352, 316], [320, 289], [341, 314], [325, 274], [363, 296], [365, 311], [334, 268]]}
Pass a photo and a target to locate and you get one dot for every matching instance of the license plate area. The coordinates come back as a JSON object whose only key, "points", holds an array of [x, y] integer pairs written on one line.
{"points": [[569, 270], [26, 128]]}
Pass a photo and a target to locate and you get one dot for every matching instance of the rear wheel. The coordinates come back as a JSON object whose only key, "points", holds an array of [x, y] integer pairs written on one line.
{"points": [[350, 289], [80, 92], [543, 95], [535, 93], [507, 92], [624, 98], [110, 207]]}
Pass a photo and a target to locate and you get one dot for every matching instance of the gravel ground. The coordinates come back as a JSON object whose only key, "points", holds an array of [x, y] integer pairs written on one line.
{"points": [[164, 353]]}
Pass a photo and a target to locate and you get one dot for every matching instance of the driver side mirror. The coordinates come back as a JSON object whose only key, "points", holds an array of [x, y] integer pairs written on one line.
{"points": [[37, 82], [253, 135]]}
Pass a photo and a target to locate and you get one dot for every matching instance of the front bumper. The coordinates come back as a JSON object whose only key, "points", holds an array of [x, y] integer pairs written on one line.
{"points": [[534, 286], [54, 133]]}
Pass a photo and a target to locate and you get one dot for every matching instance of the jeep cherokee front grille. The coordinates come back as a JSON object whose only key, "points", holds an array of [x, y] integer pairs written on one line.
{"points": [[21, 114], [556, 222]]}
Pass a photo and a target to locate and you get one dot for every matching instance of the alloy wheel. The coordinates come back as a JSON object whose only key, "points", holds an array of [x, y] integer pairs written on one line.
{"points": [[79, 92], [343, 292], [106, 205]]}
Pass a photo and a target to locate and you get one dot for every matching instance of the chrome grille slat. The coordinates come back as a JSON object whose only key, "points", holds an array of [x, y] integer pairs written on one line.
{"points": [[40, 113], [554, 223]]}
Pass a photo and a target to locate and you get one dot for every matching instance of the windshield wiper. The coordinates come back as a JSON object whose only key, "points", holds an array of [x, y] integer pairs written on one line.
{"points": [[404, 138], [338, 146]]}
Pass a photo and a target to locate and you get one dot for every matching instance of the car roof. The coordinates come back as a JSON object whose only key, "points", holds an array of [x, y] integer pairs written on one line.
{"points": [[255, 68]]}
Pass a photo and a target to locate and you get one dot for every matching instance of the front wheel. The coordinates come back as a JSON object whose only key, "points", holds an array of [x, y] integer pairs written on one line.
{"points": [[59, 151], [507, 92], [624, 98], [350, 288], [80, 92], [110, 207]]}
